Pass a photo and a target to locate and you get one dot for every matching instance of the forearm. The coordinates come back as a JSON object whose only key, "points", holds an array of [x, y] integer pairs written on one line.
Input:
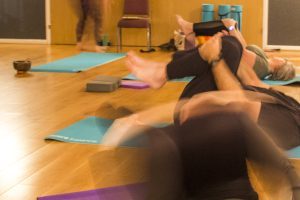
{"points": [[224, 78], [236, 33]]}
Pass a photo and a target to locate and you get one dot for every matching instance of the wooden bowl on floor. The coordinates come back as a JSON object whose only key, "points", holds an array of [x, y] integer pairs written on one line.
{"points": [[22, 66]]}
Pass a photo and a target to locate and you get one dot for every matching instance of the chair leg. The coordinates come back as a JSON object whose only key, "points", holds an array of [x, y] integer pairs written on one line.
{"points": [[149, 38], [119, 48]]}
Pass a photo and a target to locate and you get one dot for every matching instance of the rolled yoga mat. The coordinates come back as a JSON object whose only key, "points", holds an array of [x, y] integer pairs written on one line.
{"points": [[78, 63], [129, 192]]}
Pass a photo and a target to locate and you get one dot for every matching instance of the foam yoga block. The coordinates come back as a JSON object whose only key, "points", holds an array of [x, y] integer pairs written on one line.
{"points": [[103, 84], [236, 14], [224, 11]]}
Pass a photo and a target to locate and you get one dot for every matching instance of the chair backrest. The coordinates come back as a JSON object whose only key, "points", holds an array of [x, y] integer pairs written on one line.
{"points": [[136, 7]]}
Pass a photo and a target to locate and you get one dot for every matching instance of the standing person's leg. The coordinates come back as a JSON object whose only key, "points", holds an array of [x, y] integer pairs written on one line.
{"points": [[84, 9], [97, 15]]}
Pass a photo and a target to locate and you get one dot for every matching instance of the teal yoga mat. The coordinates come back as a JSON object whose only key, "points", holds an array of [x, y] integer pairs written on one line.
{"points": [[295, 80], [78, 63], [186, 79], [91, 131], [294, 152], [87, 131]]}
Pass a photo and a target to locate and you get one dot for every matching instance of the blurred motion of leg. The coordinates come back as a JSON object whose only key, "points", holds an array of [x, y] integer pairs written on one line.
{"points": [[165, 178]]}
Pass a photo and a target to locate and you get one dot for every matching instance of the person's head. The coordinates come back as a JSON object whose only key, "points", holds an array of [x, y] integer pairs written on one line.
{"points": [[281, 69]]}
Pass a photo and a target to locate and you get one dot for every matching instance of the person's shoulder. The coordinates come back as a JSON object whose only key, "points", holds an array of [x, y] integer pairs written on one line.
{"points": [[253, 47], [257, 50]]}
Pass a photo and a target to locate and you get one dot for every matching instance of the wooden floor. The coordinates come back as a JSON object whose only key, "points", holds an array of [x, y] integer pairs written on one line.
{"points": [[34, 106]]}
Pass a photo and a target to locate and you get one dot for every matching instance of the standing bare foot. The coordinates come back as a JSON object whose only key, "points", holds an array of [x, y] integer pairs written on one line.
{"points": [[79, 46], [153, 73], [187, 29], [100, 49]]}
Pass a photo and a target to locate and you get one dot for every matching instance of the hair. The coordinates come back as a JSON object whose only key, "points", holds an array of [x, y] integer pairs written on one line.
{"points": [[285, 72]]}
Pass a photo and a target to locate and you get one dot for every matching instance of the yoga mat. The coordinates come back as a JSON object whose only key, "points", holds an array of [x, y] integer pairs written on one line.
{"points": [[295, 80], [87, 131], [78, 63], [91, 131], [294, 152], [127, 192], [185, 79]]}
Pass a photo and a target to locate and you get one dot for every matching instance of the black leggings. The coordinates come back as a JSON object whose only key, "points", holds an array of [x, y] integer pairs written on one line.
{"points": [[190, 63], [205, 158]]}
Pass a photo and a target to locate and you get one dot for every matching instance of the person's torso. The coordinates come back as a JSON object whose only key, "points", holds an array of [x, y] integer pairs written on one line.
{"points": [[261, 65]]}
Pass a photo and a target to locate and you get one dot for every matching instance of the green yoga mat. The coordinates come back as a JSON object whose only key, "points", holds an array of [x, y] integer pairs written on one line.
{"points": [[78, 63], [295, 80], [185, 79]]}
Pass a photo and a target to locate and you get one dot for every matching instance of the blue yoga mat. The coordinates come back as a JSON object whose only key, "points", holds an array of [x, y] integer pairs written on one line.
{"points": [[295, 80], [87, 131], [78, 63], [294, 153], [185, 79], [91, 131], [133, 192], [188, 79]]}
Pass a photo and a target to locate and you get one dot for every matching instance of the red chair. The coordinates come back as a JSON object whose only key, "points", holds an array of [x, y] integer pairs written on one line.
{"points": [[135, 15]]}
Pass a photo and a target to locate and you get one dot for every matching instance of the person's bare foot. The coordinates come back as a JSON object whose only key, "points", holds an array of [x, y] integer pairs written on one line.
{"points": [[79, 46], [187, 29], [153, 73], [100, 49]]}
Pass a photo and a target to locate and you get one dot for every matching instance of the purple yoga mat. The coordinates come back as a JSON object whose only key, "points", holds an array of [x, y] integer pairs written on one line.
{"points": [[133, 84], [125, 192]]}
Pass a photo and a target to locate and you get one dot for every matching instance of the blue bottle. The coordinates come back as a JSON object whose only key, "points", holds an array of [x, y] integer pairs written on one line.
{"points": [[236, 14], [207, 12], [224, 11]]}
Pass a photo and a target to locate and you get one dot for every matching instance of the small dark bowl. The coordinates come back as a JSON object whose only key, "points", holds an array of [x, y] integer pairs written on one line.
{"points": [[22, 66]]}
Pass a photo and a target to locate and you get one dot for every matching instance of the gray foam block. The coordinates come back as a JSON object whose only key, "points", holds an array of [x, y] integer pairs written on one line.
{"points": [[103, 84], [108, 78]]}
